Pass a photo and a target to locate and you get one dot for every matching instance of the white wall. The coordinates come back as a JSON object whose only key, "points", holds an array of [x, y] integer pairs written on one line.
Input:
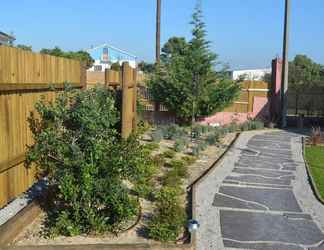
{"points": [[107, 66], [252, 74]]}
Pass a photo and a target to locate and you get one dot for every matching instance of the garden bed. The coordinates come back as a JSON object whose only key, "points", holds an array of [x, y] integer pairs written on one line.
{"points": [[33, 233]]}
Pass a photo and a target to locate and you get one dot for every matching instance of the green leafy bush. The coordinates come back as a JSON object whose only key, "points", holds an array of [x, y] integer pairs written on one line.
{"points": [[87, 163], [169, 217], [179, 167], [169, 154], [157, 135]]}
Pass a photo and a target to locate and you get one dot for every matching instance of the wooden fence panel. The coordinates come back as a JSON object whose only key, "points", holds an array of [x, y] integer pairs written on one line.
{"points": [[24, 78]]}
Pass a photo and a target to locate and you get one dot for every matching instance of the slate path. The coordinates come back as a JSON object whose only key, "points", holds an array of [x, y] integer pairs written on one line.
{"points": [[259, 198]]}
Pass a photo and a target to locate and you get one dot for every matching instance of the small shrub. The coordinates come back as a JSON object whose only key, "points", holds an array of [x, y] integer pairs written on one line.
{"points": [[189, 159], [197, 131], [202, 146], [212, 139], [245, 126], [233, 127], [144, 189], [204, 129], [157, 135], [158, 160], [169, 218], [195, 151], [173, 131], [179, 145], [172, 179], [169, 154]]}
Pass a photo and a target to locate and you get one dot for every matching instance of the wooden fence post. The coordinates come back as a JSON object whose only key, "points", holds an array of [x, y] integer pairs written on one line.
{"points": [[134, 99], [127, 77], [83, 76]]}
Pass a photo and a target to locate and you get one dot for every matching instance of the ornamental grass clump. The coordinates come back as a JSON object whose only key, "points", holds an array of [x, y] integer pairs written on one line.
{"points": [[79, 149]]}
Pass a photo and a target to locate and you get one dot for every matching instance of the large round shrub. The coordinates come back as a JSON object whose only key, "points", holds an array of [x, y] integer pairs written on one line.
{"points": [[78, 147]]}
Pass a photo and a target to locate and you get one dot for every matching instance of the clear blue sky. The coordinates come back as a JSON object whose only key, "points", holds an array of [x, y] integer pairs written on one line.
{"points": [[245, 33]]}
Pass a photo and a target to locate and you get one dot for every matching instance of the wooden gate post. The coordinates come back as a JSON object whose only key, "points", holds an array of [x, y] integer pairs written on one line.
{"points": [[128, 99]]}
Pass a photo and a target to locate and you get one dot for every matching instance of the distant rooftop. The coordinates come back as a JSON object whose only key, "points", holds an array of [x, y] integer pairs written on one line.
{"points": [[4, 37], [106, 45]]}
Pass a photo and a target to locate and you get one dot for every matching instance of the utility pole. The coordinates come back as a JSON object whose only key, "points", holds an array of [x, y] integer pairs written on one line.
{"points": [[158, 31], [285, 66]]}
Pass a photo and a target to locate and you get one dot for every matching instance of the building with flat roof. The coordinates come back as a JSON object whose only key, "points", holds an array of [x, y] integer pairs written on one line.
{"points": [[6, 39], [250, 74], [105, 55]]}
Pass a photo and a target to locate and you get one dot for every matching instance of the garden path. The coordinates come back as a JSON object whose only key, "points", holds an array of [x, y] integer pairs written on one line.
{"points": [[258, 197]]}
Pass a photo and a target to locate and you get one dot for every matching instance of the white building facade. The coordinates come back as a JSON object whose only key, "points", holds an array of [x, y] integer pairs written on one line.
{"points": [[250, 74], [105, 55]]}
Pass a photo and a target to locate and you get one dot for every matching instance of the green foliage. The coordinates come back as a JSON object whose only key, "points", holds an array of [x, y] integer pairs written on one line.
{"points": [[146, 67], [169, 218], [157, 135], [87, 163], [158, 160], [202, 146], [115, 66], [172, 179], [169, 154], [232, 127], [175, 46], [152, 146], [180, 145], [304, 74], [81, 55], [173, 131], [186, 82], [212, 139], [24, 47], [188, 159], [195, 151], [144, 189], [252, 125]]}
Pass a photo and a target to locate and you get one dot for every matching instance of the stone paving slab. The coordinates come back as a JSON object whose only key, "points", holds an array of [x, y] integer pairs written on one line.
{"points": [[263, 227], [259, 198], [269, 199], [263, 172]]}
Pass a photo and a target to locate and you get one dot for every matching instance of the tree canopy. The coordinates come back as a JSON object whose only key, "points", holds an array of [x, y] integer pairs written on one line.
{"points": [[80, 55], [186, 81]]}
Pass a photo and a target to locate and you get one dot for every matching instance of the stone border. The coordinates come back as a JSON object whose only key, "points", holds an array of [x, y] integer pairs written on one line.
{"points": [[13, 227], [310, 177]]}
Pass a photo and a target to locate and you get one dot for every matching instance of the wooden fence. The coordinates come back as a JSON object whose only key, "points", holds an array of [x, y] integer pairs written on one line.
{"points": [[249, 90], [24, 78], [126, 81]]}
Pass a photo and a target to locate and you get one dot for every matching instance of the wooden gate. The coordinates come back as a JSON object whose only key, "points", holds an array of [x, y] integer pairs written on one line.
{"points": [[125, 80]]}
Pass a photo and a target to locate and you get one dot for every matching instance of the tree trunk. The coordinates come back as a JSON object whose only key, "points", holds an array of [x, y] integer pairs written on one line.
{"points": [[158, 31]]}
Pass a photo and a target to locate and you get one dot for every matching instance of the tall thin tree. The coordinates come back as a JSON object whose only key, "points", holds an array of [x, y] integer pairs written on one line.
{"points": [[158, 31]]}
